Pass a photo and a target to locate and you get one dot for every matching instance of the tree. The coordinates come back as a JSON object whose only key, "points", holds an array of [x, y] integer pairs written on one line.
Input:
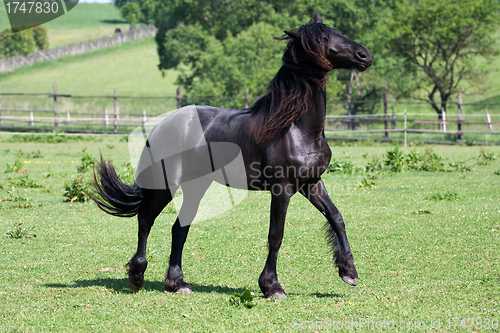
{"points": [[218, 45], [434, 44], [137, 11], [23, 42], [224, 68]]}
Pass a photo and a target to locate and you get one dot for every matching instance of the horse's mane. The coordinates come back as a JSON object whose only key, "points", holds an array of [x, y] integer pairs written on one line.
{"points": [[289, 92]]}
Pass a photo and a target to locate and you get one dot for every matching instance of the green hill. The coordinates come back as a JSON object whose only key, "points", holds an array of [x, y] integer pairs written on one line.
{"points": [[85, 21]]}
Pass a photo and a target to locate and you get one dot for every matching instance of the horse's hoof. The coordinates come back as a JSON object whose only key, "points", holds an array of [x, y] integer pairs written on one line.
{"points": [[278, 296], [133, 288], [349, 280], [186, 291]]}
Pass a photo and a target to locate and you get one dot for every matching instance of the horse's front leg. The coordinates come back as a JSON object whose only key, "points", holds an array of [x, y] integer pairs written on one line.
{"points": [[336, 234], [268, 280]]}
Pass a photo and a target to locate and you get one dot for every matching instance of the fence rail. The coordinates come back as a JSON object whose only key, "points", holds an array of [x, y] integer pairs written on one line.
{"points": [[11, 63], [117, 115]]}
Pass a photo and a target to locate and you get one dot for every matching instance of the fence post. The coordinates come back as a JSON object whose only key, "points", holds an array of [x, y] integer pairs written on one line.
{"points": [[32, 119], [0, 107], [246, 98], [144, 118], [488, 120], [117, 112], [393, 119], [179, 98], [443, 126], [405, 128], [56, 123], [68, 117], [106, 118], [386, 125], [459, 118]]}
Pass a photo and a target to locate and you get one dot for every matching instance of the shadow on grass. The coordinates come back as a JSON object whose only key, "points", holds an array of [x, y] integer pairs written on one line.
{"points": [[121, 286], [321, 295], [114, 21]]}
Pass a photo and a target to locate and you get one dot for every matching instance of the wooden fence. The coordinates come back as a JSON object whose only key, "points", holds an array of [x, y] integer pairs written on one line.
{"points": [[11, 63], [114, 120]]}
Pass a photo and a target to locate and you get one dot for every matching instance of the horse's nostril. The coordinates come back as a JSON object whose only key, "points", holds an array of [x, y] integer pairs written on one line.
{"points": [[361, 54]]}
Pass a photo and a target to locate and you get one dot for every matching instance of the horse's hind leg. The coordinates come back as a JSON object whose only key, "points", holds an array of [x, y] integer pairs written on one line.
{"points": [[193, 192], [137, 265]]}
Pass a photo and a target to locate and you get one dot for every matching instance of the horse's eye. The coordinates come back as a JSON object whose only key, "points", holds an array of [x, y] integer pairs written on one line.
{"points": [[325, 40]]}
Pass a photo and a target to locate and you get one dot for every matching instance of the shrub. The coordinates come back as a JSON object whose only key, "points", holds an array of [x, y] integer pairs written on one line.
{"points": [[23, 42], [395, 159], [77, 190]]}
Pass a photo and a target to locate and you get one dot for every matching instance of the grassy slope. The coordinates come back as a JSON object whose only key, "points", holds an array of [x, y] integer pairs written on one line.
{"points": [[411, 267], [130, 67], [85, 21]]}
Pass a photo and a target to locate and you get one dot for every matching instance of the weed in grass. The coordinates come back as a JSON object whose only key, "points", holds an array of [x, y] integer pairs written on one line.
{"points": [[497, 173], [17, 200], [344, 167], [86, 162], [395, 159], [374, 164], [77, 190], [486, 155], [35, 154], [26, 181], [367, 184], [421, 212], [244, 299], [19, 153], [127, 175], [16, 167], [460, 166], [170, 209], [444, 195], [110, 146], [50, 138], [431, 161], [18, 231]]}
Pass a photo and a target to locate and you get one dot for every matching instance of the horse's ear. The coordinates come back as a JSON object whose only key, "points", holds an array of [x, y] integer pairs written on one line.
{"points": [[317, 18], [293, 33]]}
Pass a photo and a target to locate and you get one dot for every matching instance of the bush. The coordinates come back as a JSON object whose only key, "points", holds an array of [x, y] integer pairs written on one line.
{"points": [[41, 36], [23, 42]]}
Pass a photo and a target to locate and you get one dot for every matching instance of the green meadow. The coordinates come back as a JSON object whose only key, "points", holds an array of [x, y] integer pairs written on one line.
{"points": [[425, 245]]}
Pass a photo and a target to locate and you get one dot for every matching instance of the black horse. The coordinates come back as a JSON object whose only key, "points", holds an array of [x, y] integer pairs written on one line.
{"points": [[284, 150]]}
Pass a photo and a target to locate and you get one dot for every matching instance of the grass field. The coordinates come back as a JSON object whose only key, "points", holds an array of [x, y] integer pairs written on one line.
{"points": [[85, 21], [425, 245]]}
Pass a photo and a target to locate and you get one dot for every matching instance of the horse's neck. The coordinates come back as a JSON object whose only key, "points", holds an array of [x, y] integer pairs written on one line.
{"points": [[313, 122]]}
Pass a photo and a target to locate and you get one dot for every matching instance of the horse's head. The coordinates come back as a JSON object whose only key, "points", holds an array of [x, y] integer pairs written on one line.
{"points": [[329, 44]]}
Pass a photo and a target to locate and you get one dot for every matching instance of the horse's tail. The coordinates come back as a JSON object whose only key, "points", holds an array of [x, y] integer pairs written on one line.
{"points": [[113, 196]]}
